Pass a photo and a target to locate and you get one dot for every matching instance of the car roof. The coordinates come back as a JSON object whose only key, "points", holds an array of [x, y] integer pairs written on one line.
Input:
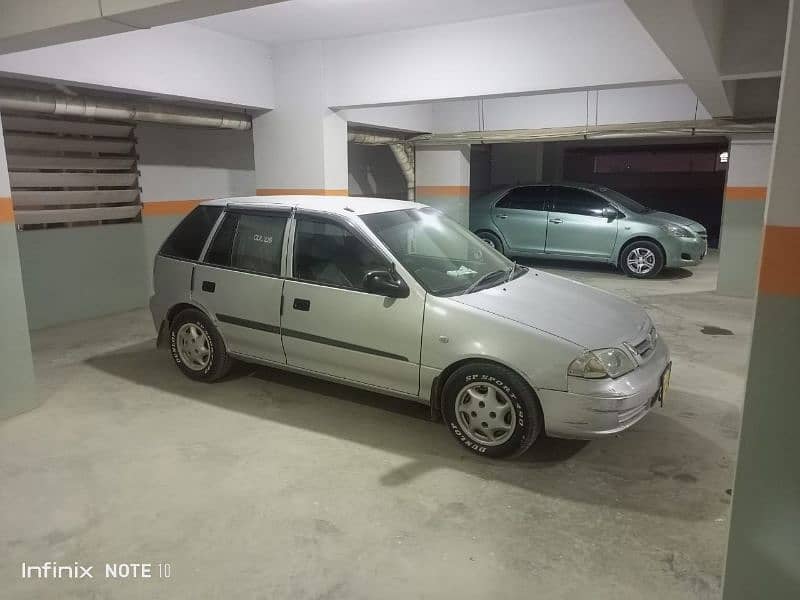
{"points": [[344, 205]]}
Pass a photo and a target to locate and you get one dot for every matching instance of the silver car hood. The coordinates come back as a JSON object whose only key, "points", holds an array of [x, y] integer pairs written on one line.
{"points": [[573, 311]]}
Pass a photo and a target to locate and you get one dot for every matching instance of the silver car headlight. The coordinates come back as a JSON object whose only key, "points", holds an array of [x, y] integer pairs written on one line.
{"points": [[677, 230], [597, 364]]}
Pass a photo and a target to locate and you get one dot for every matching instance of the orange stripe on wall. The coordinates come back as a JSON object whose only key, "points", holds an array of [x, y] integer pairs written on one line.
{"points": [[168, 207], [442, 190], [6, 210], [734, 192], [299, 192], [780, 269]]}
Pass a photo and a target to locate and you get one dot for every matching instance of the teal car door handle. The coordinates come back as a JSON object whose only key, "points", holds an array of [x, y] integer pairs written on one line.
{"points": [[502, 216], [556, 221]]}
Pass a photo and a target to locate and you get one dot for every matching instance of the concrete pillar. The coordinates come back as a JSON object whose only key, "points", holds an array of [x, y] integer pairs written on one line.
{"points": [[17, 387], [743, 216], [764, 546], [301, 146], [442, 176]]}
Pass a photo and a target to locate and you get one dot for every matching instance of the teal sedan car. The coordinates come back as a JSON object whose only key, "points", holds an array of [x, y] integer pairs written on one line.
{"points": [[586, 222]]}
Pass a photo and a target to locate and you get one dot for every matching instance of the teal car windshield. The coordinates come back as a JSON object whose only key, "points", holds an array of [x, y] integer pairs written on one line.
{"points": [[625, 202], [444, 257]]}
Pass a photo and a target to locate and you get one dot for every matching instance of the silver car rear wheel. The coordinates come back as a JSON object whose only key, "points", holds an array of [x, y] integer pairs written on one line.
{"points": [[485, 414], [193, 346]]}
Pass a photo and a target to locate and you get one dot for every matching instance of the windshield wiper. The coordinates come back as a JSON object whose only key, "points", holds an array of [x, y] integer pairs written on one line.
{"points": [[484, 278], [511, 272]]}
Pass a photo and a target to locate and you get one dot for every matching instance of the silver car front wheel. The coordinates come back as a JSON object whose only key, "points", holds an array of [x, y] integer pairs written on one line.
{"points": [[485, 414]]}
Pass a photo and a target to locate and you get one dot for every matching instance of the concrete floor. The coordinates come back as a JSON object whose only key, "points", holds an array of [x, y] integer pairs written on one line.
{"points": [[273, 485]]}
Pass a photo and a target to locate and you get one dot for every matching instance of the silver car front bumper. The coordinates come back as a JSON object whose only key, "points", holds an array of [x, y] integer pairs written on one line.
{"points": [[598, 407]]}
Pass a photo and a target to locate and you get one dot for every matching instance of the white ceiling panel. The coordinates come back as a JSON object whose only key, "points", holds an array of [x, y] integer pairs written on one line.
{"points": [[298, 20]]}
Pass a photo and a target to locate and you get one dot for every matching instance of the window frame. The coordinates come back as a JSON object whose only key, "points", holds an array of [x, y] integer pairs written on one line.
{"points": [[545, 202], [347, 225], [256, 212], [554, 202]]}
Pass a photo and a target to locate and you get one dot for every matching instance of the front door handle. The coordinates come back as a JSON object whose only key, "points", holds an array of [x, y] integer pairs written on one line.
{"points": [[301, 304], [556, 221], [502, 216]]}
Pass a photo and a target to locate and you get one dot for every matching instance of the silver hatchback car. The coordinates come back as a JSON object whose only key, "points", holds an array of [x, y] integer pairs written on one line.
{"points": [[395, 297]]}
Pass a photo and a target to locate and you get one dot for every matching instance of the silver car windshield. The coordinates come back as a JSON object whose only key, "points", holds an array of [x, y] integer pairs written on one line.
{"points": [[443, 256]]}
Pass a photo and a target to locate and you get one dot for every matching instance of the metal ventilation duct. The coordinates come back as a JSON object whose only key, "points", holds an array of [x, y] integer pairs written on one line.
{"points": [[403, 153], [44, 103], [598, 132]]}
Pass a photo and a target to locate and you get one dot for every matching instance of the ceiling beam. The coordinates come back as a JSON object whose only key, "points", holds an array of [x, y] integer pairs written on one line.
{"points": [[28, 24], [689, 32]]}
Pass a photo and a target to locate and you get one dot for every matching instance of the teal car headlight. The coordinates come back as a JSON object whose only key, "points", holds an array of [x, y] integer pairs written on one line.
{"points": [[677, 230], [597, 364]]}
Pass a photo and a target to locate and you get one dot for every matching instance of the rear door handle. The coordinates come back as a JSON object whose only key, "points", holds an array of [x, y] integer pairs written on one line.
{"points": [[301, 304], [556, 221], [502, 216]]}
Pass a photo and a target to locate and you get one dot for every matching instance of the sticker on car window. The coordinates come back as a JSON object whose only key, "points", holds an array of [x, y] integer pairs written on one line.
{"points": [[264, 239]]}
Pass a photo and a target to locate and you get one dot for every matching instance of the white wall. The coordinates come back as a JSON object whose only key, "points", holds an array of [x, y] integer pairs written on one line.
{"points": [[302, 143], [574, 47], [174, 60], [651, 103], [183, 163], [402, 117]]}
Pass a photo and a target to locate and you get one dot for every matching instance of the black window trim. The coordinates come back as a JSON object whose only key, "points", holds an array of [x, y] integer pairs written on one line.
{"points": [[347, 225], [267, 211]]}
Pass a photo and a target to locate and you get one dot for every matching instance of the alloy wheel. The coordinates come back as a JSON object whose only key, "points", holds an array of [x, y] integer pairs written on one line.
{"points": [[641, 260]]}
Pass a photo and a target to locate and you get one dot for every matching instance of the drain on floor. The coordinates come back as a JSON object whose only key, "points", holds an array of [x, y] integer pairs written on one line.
{"points": [[711, 330]]}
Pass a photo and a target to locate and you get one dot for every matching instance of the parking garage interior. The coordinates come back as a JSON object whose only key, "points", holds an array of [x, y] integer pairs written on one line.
{"points": [[120, 118]]}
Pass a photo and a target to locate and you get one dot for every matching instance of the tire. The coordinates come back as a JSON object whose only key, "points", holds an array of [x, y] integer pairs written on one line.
{"points": [[491, 240], [646, 259], [205, 360], [463, 391]]}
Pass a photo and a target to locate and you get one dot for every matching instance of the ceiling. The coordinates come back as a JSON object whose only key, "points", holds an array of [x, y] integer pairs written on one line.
{"points": [[300, 20]]}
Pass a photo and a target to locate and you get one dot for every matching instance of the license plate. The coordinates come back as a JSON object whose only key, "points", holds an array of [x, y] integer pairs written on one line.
{"points": [[664, 383]]}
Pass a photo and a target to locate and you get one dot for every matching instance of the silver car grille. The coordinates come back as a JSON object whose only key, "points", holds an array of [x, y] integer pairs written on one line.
{"points": [[702, 234]]}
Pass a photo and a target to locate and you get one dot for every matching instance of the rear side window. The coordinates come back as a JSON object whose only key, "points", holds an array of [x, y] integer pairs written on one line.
{"points": [[189, 237], [249, 243], [525, 198]]}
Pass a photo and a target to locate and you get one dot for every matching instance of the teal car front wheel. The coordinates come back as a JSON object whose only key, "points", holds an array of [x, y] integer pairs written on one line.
{"points": [[642, 259]]}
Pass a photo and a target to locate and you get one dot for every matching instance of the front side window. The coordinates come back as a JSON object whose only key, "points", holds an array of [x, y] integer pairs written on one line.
{"points": [[328, 253], [248, 242], [189, 237], [525, 198], [443, 256], [578, 202]]}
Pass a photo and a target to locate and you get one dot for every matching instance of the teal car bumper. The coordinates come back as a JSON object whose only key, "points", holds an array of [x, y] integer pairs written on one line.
{"points": [[684, 252]]}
